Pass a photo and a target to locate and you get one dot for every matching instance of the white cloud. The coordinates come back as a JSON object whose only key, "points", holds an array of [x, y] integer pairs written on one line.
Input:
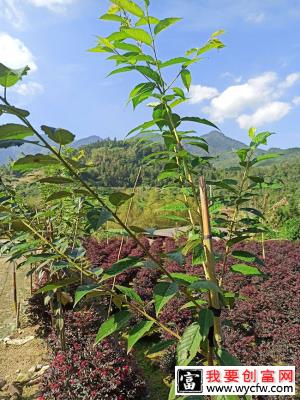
{"points": [[268, 113], [253, 103], [11, 11], [53, 5], [235, 99], [256, 18], [28, 89], [296, 101], [14, 53], [290, 80], [199, 93]]}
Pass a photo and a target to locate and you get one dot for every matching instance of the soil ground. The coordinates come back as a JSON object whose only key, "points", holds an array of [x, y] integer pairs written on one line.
{"points": [[17, 359]]}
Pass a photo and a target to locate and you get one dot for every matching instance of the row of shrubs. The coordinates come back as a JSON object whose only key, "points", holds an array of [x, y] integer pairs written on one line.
{"points": [[262, 329]]}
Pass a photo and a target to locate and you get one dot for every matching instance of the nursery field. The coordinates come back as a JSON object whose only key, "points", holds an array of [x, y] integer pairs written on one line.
{"points": [[97, 301]]}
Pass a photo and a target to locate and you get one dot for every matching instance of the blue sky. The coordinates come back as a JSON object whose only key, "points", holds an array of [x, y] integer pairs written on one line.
{"points": [[254, 80]]}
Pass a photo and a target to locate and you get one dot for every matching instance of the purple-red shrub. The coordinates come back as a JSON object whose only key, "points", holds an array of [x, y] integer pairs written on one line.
{"points": [[265, 327], [84, 371]]}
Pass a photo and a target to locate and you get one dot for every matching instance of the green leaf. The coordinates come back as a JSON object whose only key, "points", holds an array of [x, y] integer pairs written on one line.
{"points": [[183, 278], [163, 292], [13, 110], [147, 71], [57, 285], [173, 61], [111, 17], [159, 347], [246, 256], [14, 131], [186, 78], [82, 291], [139, 35], [245, 269], [137, 332], [97, 217], [129, 6], [227, 359], [60, 136], [35, 161], [199, 121], [118, 198], [253, 211], [9, 77], [146, 20], [188, 345], [165, 23], [174, 207], [58, 195], [176, 256], [127, 46], [192, 304], [121, 70], [206, 320], [131, 293], [113, 324], [211, 44], [121, 266], [56, 180], [205, 285], [179, 92], [4, 144]]}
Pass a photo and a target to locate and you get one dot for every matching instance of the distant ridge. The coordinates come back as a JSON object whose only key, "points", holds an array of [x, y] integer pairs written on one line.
{"points": [[12, 153]]}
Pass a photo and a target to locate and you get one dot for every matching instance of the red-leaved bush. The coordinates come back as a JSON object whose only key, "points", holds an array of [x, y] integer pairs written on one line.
{"points": [[264, 329], [85, 371]]}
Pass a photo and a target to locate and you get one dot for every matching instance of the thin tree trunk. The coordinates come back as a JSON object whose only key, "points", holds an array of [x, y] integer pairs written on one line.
{"points": [[215, 334]]}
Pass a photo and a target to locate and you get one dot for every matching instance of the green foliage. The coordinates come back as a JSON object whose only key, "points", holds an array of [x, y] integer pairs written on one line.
{"points": [[292, 228]]}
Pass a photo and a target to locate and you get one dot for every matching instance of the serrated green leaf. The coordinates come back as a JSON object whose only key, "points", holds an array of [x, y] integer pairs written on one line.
{"points": [[146, 20], [111, 17], [227, 359], [206, 321], [245, 269], [131, 293], [129, 6], [173, 61], [164, 24], [121, 266], [163, 292], [139, 35], [159, 347], [82, 291], [205, 285], [137, 332], [189, 344], [57, 285], [97, 217], [246, 256], [113, 324]]}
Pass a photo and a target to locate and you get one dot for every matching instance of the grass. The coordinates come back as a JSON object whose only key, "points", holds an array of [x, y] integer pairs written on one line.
{"points": [[154, 378]]}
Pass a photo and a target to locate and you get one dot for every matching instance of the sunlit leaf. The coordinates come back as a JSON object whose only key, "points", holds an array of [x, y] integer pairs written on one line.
{"points": [[165, 23]]}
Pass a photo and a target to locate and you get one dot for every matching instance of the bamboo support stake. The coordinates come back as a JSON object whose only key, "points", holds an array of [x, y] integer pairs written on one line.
{"points": [[15, 290], [210, 260]]}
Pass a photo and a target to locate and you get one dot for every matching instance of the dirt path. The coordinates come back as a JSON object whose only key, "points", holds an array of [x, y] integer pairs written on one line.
{"points": [[17, 360], [7, 310]]}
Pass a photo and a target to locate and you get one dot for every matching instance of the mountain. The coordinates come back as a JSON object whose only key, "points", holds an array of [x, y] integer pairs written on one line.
{"points": [[12, 153]]}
